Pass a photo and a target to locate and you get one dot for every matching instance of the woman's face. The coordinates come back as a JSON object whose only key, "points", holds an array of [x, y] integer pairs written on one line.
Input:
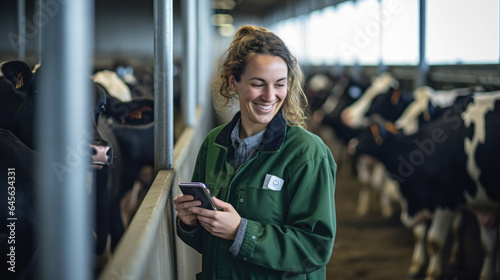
{"points": [[261, 92]]}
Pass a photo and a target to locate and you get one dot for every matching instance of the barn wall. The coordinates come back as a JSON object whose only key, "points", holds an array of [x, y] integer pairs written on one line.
{"points": [[122, 29]]}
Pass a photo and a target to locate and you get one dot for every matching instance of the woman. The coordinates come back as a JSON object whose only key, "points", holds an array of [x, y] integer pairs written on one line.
{"points": [[272, 180]]}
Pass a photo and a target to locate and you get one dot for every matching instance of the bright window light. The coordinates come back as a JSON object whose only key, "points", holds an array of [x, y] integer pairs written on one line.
{"points": [[346, 47], [329, 34], [314, 46], [462, 31], [400, 32], [320, 37], [367, 32], [291, 32]]}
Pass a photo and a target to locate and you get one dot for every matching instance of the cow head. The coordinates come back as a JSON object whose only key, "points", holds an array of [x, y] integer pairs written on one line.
{"points": [[17, 97], [371, 140], [18, 94]]}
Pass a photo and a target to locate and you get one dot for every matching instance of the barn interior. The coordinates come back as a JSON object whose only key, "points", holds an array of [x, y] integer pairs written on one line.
{"points": [[443, 45]]}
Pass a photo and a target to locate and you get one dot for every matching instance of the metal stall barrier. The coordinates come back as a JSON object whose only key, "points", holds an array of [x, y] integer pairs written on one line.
{"points": [[149, 248], [146, 249], [21, 29], [189, 73], [62, 122]]}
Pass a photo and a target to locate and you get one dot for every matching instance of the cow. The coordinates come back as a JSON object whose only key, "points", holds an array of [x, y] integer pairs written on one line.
{"points": [[447, 164], [140, 88], [113, 84], [17, 163], [318, 88], [326, 121], [384, 98], [429, 105], [133, 126], [18, 95]]}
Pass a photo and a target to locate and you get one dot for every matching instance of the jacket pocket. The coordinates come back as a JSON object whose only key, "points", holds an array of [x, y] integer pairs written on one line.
{"points": [[265, 206]]}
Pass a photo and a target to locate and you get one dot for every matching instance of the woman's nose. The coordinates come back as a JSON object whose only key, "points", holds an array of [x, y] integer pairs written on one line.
{"points": [[269, 94]]}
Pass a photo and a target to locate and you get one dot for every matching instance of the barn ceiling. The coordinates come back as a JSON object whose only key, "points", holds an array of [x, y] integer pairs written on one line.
{"points": [[257, 7]]}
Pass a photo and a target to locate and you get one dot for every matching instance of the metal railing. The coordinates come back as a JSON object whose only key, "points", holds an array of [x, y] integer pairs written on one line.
{"points": [[149, 248]]}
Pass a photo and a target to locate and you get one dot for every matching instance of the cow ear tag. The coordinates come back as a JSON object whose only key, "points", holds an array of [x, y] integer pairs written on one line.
{"points": [[136, 114], [389, 126], [18, 74], [396, 94], [19, 80], [376, 134]]}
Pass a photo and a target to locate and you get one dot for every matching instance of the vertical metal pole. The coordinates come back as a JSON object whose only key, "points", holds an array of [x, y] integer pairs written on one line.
{"points": [[423, 67], [381, 66], [39, 6], [63, 116], [21, 29], [189, 79], [202, 31], [163, 85], [205, 30]]}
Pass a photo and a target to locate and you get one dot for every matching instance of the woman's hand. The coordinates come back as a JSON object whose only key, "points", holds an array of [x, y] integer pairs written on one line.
{"points": [[184, 204], [223, 224]]}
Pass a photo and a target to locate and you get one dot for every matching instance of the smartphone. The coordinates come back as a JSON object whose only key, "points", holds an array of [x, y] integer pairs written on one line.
{"points": [[200, 192]]}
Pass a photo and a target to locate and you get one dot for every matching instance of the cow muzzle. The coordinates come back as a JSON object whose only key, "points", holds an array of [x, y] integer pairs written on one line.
{"points": [[101, 156]]}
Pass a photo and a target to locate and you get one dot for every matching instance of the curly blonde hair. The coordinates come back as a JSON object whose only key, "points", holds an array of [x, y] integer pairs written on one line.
{"points": [[250, 40]]}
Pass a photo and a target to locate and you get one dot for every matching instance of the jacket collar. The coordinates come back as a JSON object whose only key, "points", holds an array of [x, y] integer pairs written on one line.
{"points": [[273, 137]]}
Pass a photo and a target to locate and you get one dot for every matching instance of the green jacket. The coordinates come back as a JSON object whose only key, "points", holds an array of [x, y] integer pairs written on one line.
{"points": [[290, 232]]}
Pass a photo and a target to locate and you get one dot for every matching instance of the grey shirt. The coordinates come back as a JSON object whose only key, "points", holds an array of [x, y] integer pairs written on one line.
{"points": [[244, 149]]}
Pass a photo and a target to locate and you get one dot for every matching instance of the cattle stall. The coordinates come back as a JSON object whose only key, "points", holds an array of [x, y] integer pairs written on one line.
{"points": [[366, 64]]}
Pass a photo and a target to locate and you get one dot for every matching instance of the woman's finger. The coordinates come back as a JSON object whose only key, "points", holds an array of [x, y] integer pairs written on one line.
{"points": [[186, 206], [183, 198]]}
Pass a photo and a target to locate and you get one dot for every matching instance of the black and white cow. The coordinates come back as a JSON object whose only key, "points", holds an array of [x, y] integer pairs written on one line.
{"points": [[446, 164], [18, 95], [383, 99], [132, 123], [134, 132], [326, 120], [318, 88], [429, 105]]}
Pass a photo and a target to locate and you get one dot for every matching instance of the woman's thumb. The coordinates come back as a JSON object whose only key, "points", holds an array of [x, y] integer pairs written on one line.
{"points": [[219, 203]]}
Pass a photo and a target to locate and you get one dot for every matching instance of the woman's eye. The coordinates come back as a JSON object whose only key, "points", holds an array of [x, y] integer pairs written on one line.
{"points": [[280, 85], [258, 85]]}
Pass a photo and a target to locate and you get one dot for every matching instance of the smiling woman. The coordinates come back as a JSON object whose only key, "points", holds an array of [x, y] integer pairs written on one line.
{"points": [[262, 168]]}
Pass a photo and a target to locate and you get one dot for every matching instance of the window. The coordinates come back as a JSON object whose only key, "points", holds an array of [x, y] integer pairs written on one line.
{"points": [[400, 35], [367, 32], [462, 31], [320, 37], [346, 47], [291, 32]]}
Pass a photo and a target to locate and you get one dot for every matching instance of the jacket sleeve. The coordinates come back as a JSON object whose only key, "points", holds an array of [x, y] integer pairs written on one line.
{"points": [[193, 236], [305, 242]]}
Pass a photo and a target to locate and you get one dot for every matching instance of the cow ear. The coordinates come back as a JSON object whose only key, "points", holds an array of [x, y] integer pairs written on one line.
{"points": [[18, 74]]}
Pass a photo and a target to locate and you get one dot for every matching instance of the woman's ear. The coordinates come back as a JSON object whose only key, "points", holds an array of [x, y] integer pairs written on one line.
{"points": [[232, 82]]}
